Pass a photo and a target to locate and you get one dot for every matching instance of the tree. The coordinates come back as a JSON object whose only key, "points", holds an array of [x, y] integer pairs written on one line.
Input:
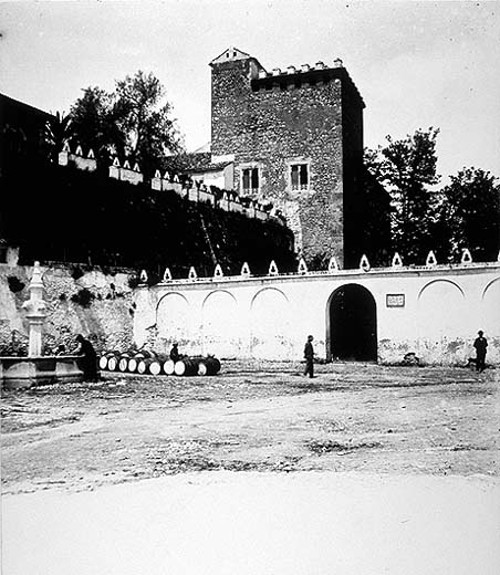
{"points": [[94, 123], [471, 212], [407, 168], [144, 118], [58, 132], [133, 121]]}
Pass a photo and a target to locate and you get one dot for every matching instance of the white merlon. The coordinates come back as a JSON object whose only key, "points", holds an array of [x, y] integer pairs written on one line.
{"points": [[397, 262], [305, 68], [291, 70], [273, 269], [431, 260], [333, 265], [302, 267], [337, 63], [262, 74], [320, 66], [364, 264], [466, 257], [79, 151], [218, 271], [276, 71], [245, 270]]}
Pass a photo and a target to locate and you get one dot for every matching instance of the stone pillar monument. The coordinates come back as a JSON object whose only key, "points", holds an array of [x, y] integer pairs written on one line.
{"points": [[35, 312]]}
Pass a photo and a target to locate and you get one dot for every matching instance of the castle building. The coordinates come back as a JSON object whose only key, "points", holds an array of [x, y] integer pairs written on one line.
{"points": [[295, 138]]}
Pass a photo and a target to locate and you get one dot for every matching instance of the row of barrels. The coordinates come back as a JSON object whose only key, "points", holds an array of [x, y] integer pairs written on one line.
{"points": [[144, 362]]}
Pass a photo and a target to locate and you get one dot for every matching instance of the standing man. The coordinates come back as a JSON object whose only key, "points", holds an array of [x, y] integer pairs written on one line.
{"points": [[309, 355], [480, 344]]}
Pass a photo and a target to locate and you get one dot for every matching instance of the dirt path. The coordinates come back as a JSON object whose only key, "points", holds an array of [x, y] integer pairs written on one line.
{"points": [[261, 417]]}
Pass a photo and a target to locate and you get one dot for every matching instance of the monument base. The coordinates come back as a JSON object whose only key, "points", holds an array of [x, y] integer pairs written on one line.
{"points": [[25, 372]]}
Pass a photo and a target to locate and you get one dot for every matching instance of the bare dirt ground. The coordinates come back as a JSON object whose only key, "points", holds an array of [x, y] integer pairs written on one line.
{"points": [[253, 416]]}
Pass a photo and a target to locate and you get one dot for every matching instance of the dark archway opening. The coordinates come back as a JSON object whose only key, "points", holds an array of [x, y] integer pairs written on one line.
{"points": [[352, 318]]}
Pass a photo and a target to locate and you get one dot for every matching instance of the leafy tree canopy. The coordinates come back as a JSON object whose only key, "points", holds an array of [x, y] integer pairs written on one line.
{"points": [[464, 214], [471, 212], [133, 121], [407, 168]]}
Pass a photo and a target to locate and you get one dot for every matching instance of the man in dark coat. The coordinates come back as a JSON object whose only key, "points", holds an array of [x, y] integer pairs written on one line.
{"points": [[174, 353], [309, 356], [480, 344], [88, 362]]}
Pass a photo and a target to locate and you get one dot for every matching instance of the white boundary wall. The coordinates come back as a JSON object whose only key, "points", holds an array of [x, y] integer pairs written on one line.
{"points": [[270, 316]]}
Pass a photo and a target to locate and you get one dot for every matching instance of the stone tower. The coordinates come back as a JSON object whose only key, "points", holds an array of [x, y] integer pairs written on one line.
{"points": [[296, 139]]}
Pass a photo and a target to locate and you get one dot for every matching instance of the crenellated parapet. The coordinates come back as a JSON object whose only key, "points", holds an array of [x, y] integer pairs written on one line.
{"points": [[305, 74], [189, 188], [227, 200], [333, 269], [77, 158], [126, 173]]}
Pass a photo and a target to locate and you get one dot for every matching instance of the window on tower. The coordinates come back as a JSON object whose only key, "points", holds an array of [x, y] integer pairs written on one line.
{"points": [[250, 180], [299, 176]]}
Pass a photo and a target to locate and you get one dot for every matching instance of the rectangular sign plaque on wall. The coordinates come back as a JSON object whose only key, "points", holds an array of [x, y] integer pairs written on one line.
{"points": [[395, 300]]}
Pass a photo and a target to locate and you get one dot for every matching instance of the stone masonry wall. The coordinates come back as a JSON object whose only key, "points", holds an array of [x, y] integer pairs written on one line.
{"points": [[268, 123], [98, 305]]}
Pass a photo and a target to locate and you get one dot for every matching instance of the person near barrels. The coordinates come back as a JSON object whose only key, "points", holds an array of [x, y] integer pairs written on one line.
{"points": [[174, 352], [309, 356], [480, 343], [88, 362]]}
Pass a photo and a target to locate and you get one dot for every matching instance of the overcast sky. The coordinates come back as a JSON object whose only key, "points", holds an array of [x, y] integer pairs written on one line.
{"points": [[416, 64]]}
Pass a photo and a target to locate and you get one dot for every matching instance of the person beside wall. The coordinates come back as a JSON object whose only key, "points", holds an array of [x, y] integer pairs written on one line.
{"points": [[309, 356], [480, 343]]}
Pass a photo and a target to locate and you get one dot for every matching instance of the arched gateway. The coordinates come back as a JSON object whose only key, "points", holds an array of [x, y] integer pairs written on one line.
{"points": [[351, 319]]}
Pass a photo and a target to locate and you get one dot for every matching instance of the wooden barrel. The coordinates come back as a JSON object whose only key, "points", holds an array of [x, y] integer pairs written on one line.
{"points": [[187, 366], [133, 362], [123, 363], [169, 367], [208, 366], [105, 357], [112, 363], [154, 368], [149, 365]]}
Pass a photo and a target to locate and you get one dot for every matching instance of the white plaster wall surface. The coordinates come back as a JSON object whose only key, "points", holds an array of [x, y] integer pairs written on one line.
{"points": [[173, 319], [489, 317], [271, 316], [220, 317], [270, 324]]}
